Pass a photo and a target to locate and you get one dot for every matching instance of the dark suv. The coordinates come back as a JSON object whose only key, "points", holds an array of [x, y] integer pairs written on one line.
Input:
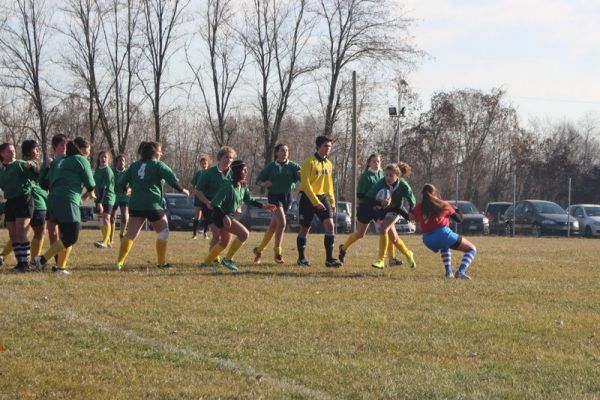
{"points": [[539, 217], [180, 211], [473, 220], [495, 214]]}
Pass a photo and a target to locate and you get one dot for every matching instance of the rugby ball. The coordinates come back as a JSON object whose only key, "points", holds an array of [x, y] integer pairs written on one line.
{"points": [[383, 194]]}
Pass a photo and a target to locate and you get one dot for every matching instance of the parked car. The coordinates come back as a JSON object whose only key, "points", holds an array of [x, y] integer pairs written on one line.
{"points": [[257, 219], [494, 212], [588, 216], [473, 220], [539, 217], [343, 219], [180, 211]]}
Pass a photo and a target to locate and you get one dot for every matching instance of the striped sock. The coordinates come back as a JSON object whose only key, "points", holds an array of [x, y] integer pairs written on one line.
{"points": [[467, 260], [18, 250], [447, 260], [26, 251]]}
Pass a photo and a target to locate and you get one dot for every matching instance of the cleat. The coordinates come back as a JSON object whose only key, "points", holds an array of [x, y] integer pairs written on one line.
{"points": [[164, 266], [218, 260], [411, 260], [229, 264], [279, 259], [194, 237], [449, 274], [1, 260], [38, 263], [333, 263], [462, 275], [379, 264], [303, 262], [60, 271], [395, 262], [342, 254], [118, 266], [21, 268], [100, 245], [257, 255]]}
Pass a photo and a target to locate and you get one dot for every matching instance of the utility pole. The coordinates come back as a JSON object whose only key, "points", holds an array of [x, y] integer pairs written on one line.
{"points": [[354, 152]]}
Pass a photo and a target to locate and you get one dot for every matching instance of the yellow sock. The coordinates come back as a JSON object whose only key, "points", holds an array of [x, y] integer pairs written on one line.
{"points": [[235, 246], [63, 257], [391, 250], [113, 226], [383, 244], [402, 247], [265, 240], [351, 239], [161, 251], [56, 248], [278, 251], [7, 248], [103, 232], [106, 237], [124, 249], [213, 253], [36, 247]]}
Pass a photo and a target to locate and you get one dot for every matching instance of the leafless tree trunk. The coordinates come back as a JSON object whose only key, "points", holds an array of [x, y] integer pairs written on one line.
{"points": [[358, 30], [224, 68], [162, 18], [23, 37]]}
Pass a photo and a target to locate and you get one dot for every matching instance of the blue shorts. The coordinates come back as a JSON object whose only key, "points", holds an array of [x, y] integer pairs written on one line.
{"points": [[442, 239]]}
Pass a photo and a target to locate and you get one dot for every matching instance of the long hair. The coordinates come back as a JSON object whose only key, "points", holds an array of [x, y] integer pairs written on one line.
{"points": [[432, 204], [27, 148], [404, 168], [100, 154], [236, 171], [149, 150], [3, 147], [371, 157]]}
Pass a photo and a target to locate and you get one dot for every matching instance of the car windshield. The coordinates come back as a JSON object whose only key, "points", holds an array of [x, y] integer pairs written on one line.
{"points": [[548, 208], [343, 207], [467, 208], [180, 202], [496, 209], [592, 211]]}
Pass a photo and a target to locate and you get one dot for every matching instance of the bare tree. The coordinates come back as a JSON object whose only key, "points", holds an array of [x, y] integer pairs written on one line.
{"points": [[23, 39], [162, 18], [277, 36], [358, 30], [226, 61]]}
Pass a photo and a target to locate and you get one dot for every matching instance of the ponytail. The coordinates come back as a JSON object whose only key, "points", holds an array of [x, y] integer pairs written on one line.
{"points": [[432, 204], [404, 168]]}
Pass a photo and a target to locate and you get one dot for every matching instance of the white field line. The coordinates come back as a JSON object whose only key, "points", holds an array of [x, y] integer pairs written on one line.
{"points": [[228, 365]]}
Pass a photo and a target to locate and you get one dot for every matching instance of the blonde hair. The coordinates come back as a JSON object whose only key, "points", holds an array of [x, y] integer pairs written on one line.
{"points": [[224, 151]]}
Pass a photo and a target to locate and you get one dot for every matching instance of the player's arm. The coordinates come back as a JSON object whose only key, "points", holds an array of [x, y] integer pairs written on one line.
{"points": [[201, 188], [170, 178], [331, 192], [361, 189], [221, 197], [305, 172]]}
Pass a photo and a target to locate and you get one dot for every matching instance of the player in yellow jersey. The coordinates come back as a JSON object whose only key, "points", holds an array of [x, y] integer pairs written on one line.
{"points": [[317, 197]]}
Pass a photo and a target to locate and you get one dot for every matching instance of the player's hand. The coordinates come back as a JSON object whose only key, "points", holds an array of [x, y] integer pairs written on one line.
{"points": [[270, 207], [128, 192], [321, 207], [186, 192], [28, 165]]}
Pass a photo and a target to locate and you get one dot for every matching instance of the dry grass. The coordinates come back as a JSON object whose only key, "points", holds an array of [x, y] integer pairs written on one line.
{"points": [[527, 326]]}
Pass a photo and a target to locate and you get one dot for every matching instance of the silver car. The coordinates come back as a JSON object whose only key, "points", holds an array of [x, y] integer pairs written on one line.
{"points": [[588, 216]]}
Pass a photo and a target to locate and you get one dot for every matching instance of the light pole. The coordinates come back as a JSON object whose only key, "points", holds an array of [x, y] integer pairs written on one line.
{"points": [[398, 113]]}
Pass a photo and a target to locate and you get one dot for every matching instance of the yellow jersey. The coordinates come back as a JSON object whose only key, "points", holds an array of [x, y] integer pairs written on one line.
{"points": [[316, 178]]}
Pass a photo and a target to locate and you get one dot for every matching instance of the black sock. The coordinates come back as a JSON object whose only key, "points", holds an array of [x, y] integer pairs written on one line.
{"points": [[195, 226], [301, 245], [328, 243]]}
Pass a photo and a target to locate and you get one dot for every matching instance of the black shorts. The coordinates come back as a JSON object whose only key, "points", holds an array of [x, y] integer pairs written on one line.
{"points": [[122, 203], [38, 218], [368, 211], [18, 207], [207, 214], [280, 200], [306, 211], [150, 215], [218, 216], [107, 208]]}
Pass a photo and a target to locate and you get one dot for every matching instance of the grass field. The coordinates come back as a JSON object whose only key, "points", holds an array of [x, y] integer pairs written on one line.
{"points": [[528, 326]]}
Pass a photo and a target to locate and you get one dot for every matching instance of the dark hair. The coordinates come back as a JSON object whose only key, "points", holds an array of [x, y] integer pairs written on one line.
{"points": [[149, 150], [27, 147], [58, 139], [405, 168], [372, 156], [322, 139], [101, 154], [236, 171], [277, 147], [141, 147], [119, 158], [432, 204], [76, 146], [3, 147]]}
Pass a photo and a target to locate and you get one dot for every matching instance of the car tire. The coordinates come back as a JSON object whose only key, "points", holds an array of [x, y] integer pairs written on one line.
{"points": [[588, 232], [536, 230]]}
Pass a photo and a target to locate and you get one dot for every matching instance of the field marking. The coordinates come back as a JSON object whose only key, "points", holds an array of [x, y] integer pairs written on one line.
{"points": [[224, 364]]}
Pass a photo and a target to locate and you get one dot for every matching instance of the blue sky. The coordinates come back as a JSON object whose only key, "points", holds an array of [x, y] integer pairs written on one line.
{"points": [[544, 53]]}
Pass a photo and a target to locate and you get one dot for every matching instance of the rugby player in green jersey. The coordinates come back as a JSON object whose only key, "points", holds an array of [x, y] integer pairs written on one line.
{"points": [[145, 178], [105, 196], [15, 183], [31, 152], [67, 177], [279, 177], [225, 202], [122, 200], [205, 162]]}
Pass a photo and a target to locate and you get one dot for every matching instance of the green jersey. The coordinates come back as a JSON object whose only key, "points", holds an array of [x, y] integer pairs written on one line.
{"points": [[105, 185], [68, 175], [39, 195], [145, 178], [401, 190], [212, 180], [282, 176], [16, 178], [366, 181], [196, 178], [229, 198], [120, 193]]}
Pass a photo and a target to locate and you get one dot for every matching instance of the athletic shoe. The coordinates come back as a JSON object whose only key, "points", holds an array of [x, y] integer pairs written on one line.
{"points": [[462, 275], [303, 262], [21, 267], [449, 274], [206, 235], [164, 266], [411, 260], [194, 237], [342, 255], [118, 266], [229, 264], [60, 271], [379, 263], [100, 245], [38, 263], [395, 262], [332, 263], [279, 259], [257, 255]]}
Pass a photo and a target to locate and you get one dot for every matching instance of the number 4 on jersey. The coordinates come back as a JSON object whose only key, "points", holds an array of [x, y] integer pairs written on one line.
{"points": [[142, 171]]}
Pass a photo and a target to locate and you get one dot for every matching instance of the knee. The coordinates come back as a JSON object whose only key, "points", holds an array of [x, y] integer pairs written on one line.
{"points": [[164, 234]]}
